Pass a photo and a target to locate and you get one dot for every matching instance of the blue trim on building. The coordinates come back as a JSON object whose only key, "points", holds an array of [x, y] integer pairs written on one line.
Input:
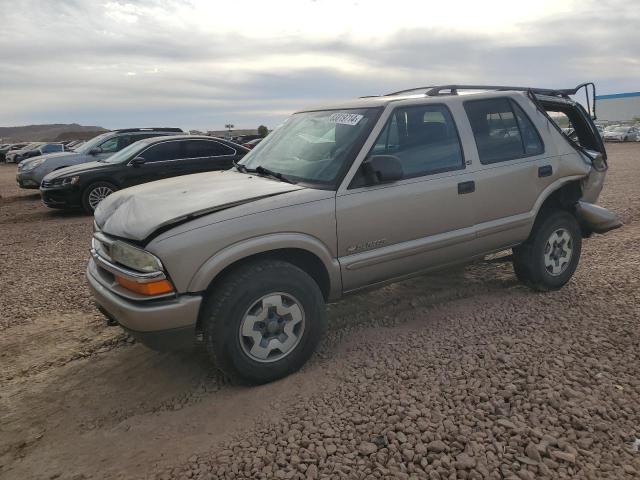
{"points": [[618, 95]]}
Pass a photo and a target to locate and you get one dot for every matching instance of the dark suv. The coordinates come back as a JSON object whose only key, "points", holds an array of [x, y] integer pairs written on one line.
{"points": [[88, 184], [31, 172]]}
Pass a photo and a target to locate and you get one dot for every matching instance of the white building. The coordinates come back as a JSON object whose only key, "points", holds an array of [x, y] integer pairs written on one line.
{"points": [[618, 107]]}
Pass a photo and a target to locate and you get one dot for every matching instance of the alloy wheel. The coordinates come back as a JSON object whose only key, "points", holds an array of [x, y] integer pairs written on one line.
{"points": [[97, 195], [558, 251], [272, 327]]}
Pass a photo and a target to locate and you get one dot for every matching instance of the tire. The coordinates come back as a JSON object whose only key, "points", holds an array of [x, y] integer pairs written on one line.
{"points": [[88, 196], [235, 334], [548, 259]]}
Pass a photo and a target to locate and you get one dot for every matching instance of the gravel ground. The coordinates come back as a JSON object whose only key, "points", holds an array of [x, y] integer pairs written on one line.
{"points": [[463, 374]]}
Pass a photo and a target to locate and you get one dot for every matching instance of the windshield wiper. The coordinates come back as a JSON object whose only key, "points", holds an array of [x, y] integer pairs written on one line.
{"points": [[270, 173], [260, 170], [240, 167]]}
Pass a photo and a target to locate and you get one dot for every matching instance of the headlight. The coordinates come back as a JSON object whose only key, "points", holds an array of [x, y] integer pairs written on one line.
{"points": [[32, 165], [134, 257], [69, 180]]}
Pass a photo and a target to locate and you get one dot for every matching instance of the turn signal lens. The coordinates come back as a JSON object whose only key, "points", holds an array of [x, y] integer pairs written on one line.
{"points": [[158, 287]]}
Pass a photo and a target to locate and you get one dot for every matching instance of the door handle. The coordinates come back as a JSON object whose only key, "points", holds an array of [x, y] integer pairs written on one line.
{"points": [[545, 171], [466, 187]]}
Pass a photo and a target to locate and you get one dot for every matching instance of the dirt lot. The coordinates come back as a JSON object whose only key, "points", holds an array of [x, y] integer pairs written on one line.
{"points": [[459, 375]]}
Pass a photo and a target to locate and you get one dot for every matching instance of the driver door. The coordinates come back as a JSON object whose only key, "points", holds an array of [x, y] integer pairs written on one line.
{"points": [[386, 231]]}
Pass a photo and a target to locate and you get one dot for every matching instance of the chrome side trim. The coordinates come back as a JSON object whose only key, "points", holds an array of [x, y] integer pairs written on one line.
{"points": [[406, 249]]}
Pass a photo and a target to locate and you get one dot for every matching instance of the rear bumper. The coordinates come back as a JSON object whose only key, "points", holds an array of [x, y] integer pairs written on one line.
{"points": [[596, 219], [163, 324]]}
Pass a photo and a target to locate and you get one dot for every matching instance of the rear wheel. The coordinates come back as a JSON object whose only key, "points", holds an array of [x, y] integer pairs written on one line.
{"points": [[548, 259], [263, 321], [95, 193]]}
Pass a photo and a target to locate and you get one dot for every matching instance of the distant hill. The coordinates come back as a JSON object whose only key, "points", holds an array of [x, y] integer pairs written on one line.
{"points": [[49, 133]]}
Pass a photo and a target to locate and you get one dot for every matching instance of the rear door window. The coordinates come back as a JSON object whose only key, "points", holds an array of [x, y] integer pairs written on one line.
{"points": [[206, 148], [502, 130]]}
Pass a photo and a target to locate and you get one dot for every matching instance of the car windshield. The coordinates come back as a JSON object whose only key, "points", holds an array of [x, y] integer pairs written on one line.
{"points": [[32, 146], [126, 153], [621, 129], [314, 147], [93, 143]]}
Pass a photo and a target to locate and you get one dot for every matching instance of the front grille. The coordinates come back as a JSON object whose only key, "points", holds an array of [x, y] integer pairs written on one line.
{"points": [[46, 184]]}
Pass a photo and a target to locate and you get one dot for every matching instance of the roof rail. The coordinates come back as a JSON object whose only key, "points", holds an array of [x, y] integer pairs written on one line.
{"points": [[149, 129], [408, 90], [434, 91]]}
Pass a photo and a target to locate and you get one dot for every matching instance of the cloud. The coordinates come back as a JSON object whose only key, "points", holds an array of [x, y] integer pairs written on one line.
{"points": [[201, 64]]}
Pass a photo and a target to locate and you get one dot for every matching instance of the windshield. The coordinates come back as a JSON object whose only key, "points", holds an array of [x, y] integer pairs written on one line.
{"points": [[314, 147], [126, 153], [621, 129], [93, 143]]}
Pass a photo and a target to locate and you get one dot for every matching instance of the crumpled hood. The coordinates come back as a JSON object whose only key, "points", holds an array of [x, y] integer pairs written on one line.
{"points": [[135, 213]]}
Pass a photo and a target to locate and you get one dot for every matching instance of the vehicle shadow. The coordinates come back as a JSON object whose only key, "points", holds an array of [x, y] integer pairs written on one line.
{"points": [[21, 198]]}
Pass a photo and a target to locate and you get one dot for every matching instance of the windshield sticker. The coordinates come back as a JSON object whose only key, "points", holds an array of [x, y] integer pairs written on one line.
{"points": [[345, 118]]}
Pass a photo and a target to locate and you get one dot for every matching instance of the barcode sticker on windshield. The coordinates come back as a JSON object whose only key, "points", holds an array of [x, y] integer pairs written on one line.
{"points": [[345, 118]]}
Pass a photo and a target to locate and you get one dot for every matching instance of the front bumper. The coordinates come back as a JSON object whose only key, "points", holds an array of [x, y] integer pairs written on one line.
{"points": [[26, 180], [61, 197], [163, 324]]}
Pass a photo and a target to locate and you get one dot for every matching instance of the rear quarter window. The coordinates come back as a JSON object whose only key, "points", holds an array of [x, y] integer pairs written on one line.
{"points": [[502, 130]]}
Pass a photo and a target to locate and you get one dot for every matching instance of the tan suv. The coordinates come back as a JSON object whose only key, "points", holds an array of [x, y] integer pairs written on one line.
{"points": [[344, 197]]}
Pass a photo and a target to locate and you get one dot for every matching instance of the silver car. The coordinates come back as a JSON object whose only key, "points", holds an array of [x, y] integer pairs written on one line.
{"points": [[622, 133], [341, 198]]}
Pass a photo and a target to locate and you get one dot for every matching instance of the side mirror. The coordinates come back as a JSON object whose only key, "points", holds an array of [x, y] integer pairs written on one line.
{"points": [[95, 151], [383, 169], [136, 162]]}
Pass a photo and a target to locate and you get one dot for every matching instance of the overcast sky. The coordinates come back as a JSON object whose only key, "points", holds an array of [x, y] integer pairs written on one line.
{"points": [[201, 64]]}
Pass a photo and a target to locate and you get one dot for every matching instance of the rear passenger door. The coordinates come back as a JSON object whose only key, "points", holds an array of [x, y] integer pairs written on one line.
{"points": [[389, 230], [206, 155], [512, 172]]}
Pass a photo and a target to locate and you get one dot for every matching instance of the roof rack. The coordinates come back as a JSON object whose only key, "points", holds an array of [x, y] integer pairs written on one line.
{"points": [[434, 91], [149, 129]]}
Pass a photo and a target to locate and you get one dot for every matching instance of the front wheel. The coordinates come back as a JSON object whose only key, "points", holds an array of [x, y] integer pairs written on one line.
{"points": [[263, 321], [548, 259], [95, 193]]}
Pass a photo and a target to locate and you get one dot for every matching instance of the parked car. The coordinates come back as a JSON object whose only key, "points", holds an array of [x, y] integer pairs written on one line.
{"points": [[87, 184], [31, 172], [9, 147], [343, 198], [13, 155], [252, 143], [622, 133], [74, 144], [42, 149]]}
